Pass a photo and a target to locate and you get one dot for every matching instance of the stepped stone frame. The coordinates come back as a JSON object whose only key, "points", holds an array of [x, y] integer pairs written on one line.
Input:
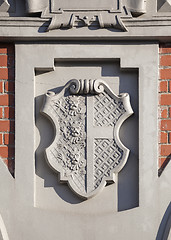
{"points": [[44, 57]]}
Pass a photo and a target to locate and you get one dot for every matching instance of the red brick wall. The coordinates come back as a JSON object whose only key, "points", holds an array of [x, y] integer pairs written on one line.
{"points": [[165, 105], [7, 105]]}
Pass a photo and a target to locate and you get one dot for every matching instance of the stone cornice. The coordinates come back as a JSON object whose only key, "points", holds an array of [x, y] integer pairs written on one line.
{"points": [[156, 28]]}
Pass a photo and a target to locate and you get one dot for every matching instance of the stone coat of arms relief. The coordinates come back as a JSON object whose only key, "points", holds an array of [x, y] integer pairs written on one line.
{"points": [[87, 151]]}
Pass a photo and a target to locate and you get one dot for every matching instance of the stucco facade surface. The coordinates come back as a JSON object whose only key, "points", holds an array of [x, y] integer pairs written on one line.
{"points": [[92, 120]]}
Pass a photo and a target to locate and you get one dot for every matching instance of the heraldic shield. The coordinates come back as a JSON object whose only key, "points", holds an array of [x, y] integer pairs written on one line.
{"points": [[87, 151]]}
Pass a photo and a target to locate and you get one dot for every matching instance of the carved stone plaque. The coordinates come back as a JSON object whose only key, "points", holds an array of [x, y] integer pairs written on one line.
{"points": [[86, 150], [84, 5], [135, 6], [96, 13]]}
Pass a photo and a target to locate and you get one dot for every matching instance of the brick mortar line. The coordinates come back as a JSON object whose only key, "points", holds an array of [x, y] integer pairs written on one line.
{"points": [[8, 119], [8, 158], [3, 112], [164, 54], [6, 131], [164, 67], [9, 133], [7, 93], [164, 156], [12, 120], [7, 54], [6, 67], [7, 145], [160, 79]]}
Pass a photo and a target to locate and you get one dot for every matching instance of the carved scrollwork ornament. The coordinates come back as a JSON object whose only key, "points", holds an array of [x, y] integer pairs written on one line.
{"points": [[86, 86]]}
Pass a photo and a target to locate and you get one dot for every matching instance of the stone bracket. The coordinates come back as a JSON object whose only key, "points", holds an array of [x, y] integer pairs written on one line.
{"points": [[103, 20]]}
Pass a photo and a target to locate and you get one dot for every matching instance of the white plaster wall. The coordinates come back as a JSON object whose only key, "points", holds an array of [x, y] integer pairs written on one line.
{"points": [[96, 218]]}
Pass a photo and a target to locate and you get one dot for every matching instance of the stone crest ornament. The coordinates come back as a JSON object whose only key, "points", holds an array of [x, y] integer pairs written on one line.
{"points": [[74, 13], [6, 7], [87, 151]]}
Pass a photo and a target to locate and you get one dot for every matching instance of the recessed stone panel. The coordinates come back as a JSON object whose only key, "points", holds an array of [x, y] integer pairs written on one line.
{"points": [[117, 79]]}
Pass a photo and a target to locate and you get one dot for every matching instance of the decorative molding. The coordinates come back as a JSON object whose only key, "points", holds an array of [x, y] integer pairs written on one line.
{"points": [[138, 6], [87, 113], [69, 20], [7, 8], [105, 19], [164, 6], [109, 13], [24, 28], [4, 5]]}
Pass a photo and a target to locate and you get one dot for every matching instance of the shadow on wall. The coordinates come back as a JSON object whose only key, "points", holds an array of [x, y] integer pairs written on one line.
{"points": [[42, 169], [164, 232], [128, 181], [161, 169]]}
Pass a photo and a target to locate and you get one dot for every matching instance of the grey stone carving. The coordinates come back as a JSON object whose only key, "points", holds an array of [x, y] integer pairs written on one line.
{"points": [[164, 5], [137, 7], [7, 7], [105, 14], [4, 5], [86, 150], [102, 20]]}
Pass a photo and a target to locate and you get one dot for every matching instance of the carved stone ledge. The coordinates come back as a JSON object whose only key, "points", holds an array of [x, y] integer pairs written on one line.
{"points": [[31, 28]]}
